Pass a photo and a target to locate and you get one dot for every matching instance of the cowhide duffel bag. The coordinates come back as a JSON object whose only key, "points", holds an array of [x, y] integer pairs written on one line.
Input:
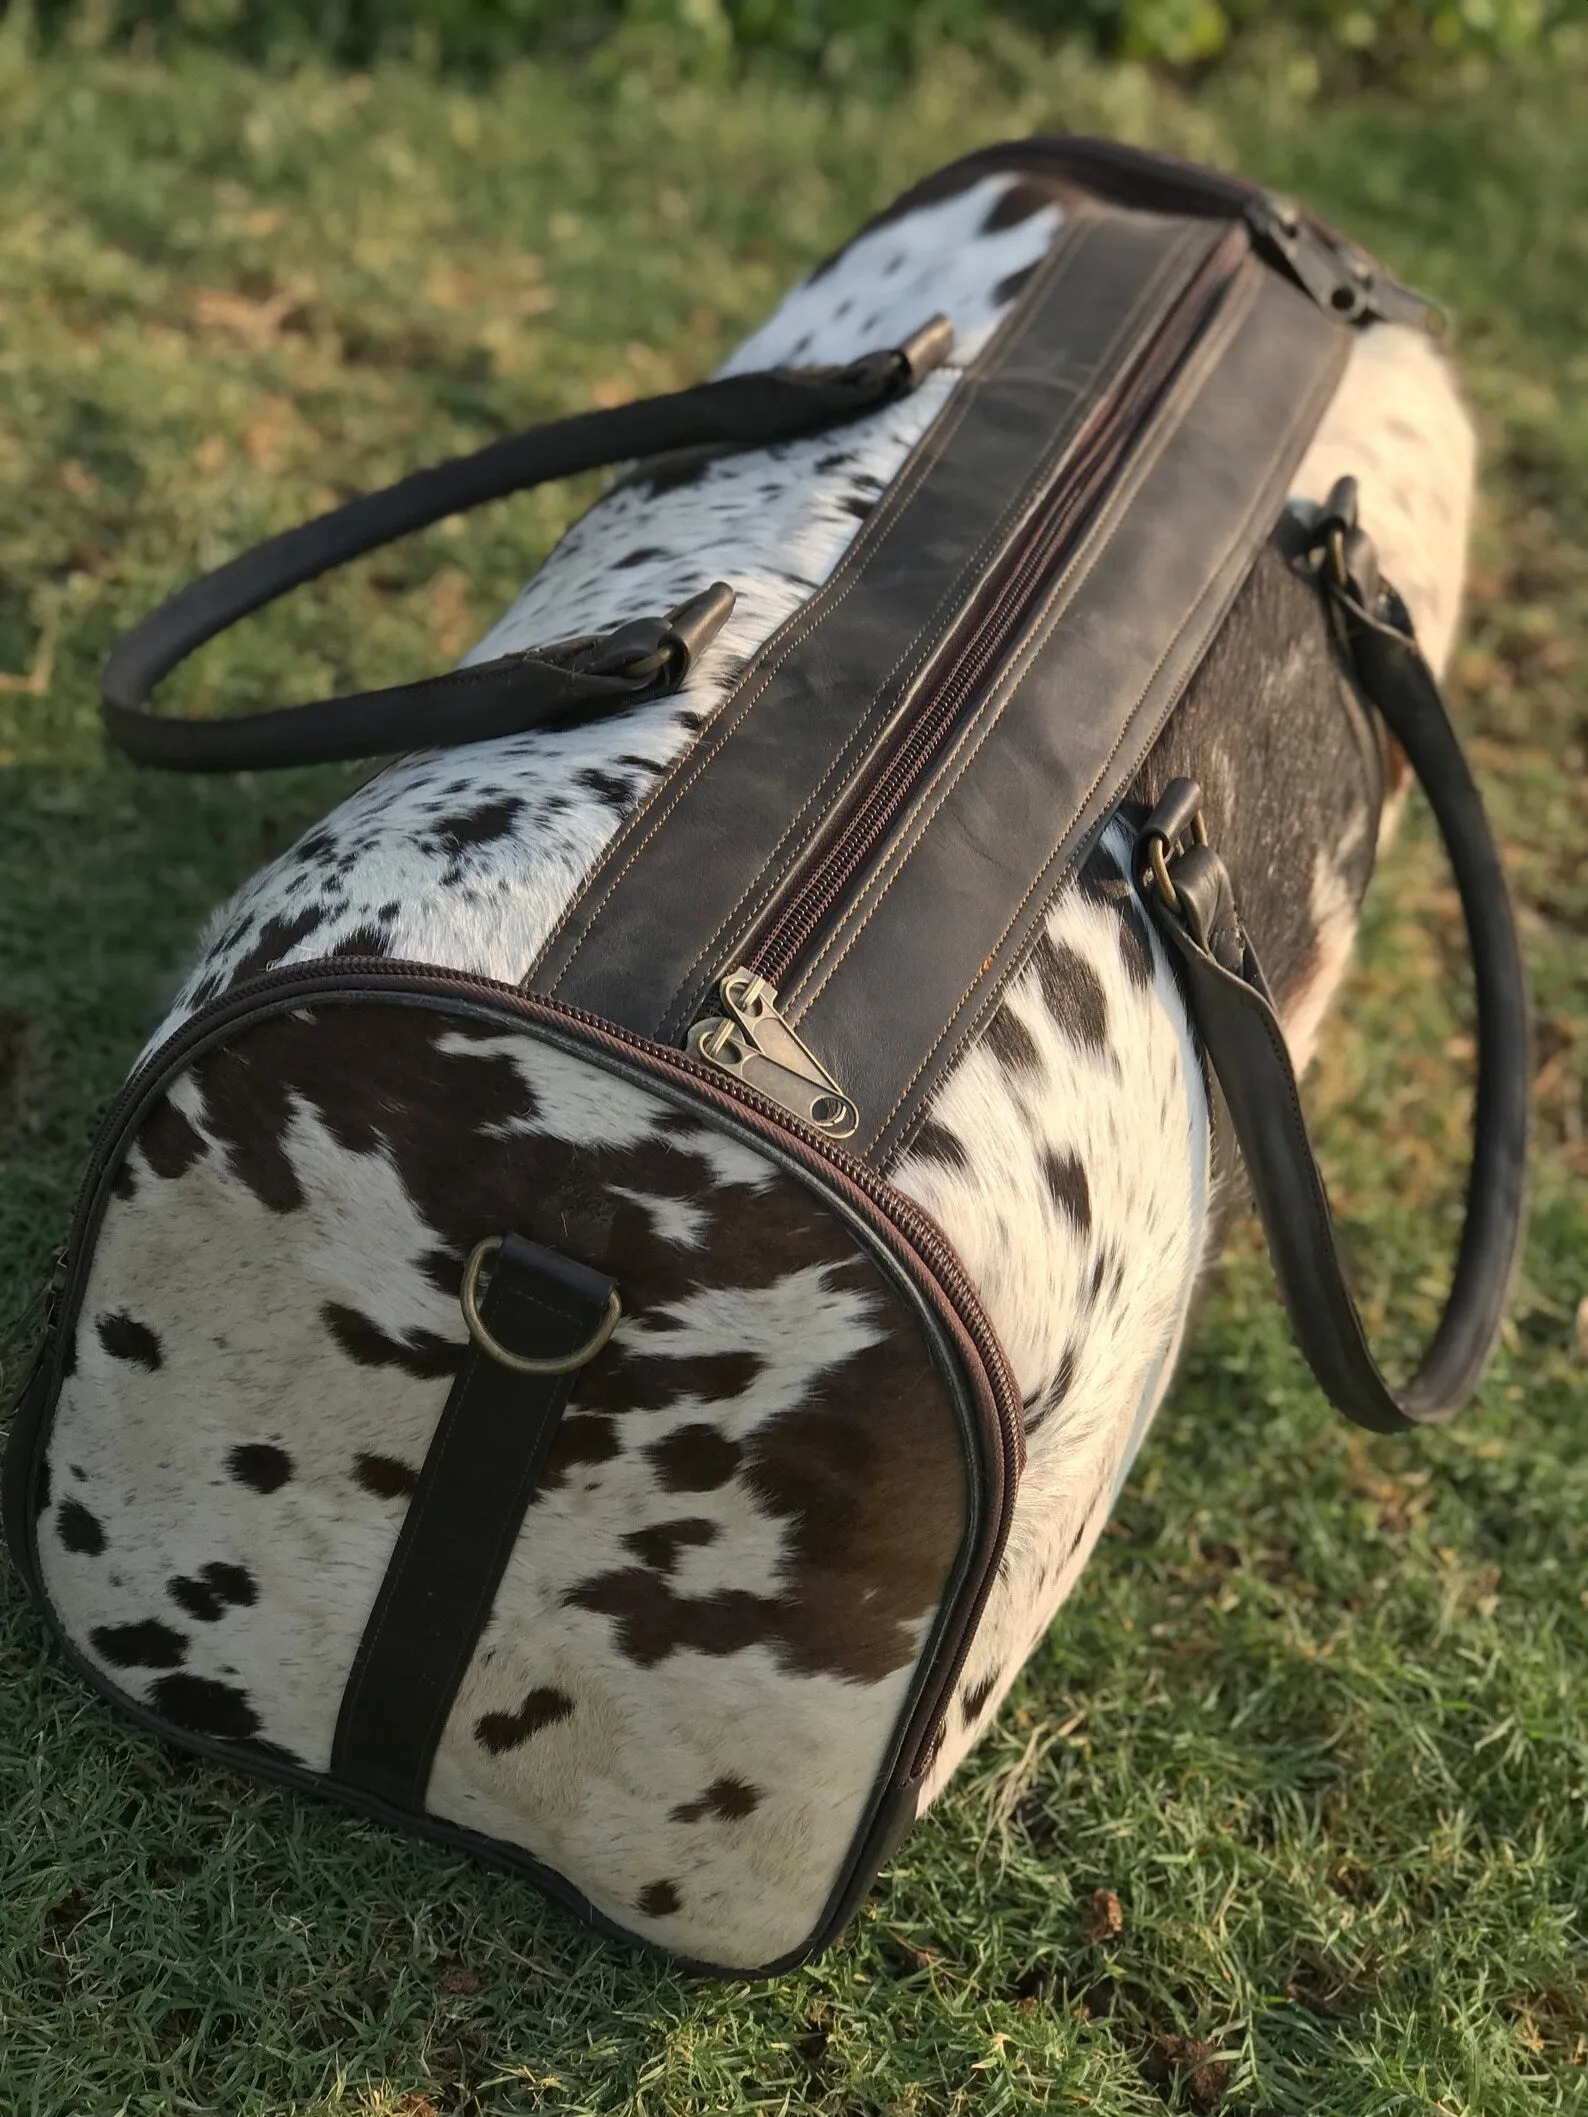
{"points": [[611, 1312]]}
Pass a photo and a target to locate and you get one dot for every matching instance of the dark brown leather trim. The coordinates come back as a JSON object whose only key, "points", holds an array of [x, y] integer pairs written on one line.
{"points": [[695, 869], [478, 1480], [927, 949]]}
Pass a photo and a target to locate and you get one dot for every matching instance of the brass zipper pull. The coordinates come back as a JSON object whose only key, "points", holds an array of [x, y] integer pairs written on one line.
{"points": [[751, 1040]]}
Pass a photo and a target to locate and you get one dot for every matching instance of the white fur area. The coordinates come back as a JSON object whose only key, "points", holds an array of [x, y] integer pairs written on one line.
{"points": [[1397, 424], [702, 1785], [232, 1291], [1095, 1302], [467, 858]]}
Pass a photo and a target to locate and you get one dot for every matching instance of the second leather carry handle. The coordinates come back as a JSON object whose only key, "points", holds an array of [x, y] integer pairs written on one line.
{"points": [[1235, 1017]]}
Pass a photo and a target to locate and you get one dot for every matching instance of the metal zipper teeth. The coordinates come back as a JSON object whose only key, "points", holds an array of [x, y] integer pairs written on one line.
{"points": [[919, 1230], [872, 805]]}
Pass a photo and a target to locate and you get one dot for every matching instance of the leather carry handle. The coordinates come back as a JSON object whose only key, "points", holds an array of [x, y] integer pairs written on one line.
{"points": [[556, 685], [1240, 1030]]}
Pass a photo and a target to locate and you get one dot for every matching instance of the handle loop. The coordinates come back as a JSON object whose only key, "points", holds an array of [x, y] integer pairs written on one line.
{"points": [[1238, 1025], [550, 686]]}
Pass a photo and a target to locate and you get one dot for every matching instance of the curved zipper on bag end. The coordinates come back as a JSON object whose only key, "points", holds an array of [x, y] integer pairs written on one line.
{"points": [[1004, 1431]]}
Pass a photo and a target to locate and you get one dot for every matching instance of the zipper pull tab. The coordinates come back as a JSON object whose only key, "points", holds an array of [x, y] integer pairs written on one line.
{"points": [[751, 1040]]}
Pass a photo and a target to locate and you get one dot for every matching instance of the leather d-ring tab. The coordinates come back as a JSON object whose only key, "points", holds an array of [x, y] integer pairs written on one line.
{"points": [[478, 1481]]}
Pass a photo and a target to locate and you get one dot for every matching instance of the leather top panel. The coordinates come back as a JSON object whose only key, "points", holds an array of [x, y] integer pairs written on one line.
{"points": [[913, 967]]}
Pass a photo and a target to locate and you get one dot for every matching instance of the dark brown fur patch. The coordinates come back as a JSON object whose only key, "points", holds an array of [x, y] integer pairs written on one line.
{"points": [[78, 1529], [1072, 992], [728, 1799], [170, 1144], [425, 1355], [453, 835], [149, 1645], [580, 1443], [660, 1545], [205, 1707], [217, 1587], [545, 1707], [1068, 1188], [695, 1459], [125, 1338], [934, 1142], [1012, 1044], [384, 1476], [261, 1465]]}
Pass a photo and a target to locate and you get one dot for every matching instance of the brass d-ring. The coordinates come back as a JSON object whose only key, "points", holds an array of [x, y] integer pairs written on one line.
{"points": [[1158, 866], [1159, 873], [518, 1362]]}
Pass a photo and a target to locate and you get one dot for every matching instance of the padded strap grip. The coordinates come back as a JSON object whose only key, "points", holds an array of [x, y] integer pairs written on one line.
{"points": [[1240, 1030]]}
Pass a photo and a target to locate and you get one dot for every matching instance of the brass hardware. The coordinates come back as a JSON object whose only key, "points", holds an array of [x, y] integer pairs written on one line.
{"points": [[1159, 867], [1336, 552], [469, 1300], [751, 1040]]}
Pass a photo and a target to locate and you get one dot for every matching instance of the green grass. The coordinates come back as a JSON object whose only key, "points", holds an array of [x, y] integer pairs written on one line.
{"points": [[1317, 1713]]}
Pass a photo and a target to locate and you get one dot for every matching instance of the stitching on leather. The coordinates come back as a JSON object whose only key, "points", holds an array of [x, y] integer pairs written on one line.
{"points": [[770, 656], [805, 994], [408, 1539], [932, 634], [994, 997], [1083, 562], [929, 638], [960, 759], [768, 876], [832, 592], [1326, 382], [474, 1618], [803, 622]]}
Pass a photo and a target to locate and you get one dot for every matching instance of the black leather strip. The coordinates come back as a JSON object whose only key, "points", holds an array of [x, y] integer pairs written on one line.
{"points": [[1294, 237], [740, 411], [679, 887], [896, 985], [911, 975], [479, 1477], [1237, 1024]]}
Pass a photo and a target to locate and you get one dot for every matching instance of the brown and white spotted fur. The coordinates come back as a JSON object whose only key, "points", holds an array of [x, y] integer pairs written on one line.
{"points": [[1067, 1158]]}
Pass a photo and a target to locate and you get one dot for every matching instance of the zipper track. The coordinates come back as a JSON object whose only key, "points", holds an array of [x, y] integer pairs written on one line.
{"points": [[808, 1145], [872, 804]]}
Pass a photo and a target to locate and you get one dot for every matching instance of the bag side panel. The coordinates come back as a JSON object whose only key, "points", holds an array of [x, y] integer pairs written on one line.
{"points": [[1068, 1156], [716, 1611]]}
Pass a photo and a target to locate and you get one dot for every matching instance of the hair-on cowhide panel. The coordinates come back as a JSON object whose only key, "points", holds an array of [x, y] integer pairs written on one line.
{"points": [[711, 1616], [1068, 1157]]}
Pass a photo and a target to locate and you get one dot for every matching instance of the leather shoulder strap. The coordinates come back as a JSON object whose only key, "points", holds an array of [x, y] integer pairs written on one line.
{"points": [[1193, 903]]}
